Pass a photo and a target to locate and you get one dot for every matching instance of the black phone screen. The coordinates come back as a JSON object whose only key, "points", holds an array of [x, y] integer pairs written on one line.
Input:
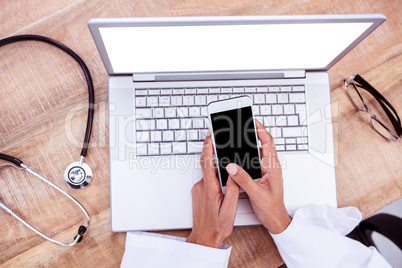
{"points": [[235, 141]]}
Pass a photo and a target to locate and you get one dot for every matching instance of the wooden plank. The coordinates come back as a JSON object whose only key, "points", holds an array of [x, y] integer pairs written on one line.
{"points": [[41, 87]]}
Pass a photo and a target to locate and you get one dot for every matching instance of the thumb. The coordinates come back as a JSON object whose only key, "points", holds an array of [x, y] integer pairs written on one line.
{"points": [[241, 177]]}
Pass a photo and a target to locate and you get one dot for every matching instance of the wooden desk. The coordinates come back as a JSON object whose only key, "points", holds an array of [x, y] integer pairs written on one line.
{"points": [[41, 93]]}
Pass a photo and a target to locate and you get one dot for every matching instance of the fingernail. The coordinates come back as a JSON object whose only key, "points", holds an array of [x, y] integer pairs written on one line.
{"points": [[231, 168], [208, 133]]}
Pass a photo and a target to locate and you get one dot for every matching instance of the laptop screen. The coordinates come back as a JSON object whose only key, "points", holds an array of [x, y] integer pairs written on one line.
{"points": [[139, 49]]}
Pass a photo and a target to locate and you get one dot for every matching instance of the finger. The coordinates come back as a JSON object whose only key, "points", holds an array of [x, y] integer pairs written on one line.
{"points": [[268, 147], [208, 163], [229, 204], [241, 177]]}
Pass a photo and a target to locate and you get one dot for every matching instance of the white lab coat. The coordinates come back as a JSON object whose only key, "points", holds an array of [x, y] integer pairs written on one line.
{"points": [[314, 238]]}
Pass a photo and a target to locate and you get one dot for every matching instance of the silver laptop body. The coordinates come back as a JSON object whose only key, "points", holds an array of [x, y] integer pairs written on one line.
{"points": [[164, 72]]}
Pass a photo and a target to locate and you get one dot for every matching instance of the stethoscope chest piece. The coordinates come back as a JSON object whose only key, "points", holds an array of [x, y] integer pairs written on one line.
{"points": [[78, 175]]}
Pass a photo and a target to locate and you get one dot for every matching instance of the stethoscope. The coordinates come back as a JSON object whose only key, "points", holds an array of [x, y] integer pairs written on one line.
{"points": [[78, 174]]}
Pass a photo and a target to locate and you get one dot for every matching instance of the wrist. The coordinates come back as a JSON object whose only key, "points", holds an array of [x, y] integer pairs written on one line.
{"points": [[279, 224], [208, 241]]}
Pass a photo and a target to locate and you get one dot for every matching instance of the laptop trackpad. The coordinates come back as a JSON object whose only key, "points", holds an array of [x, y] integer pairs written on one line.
{"points": [[244, 207]]}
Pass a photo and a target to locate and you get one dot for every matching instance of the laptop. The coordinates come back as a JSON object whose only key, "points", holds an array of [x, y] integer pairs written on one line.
{"points": [[164, 72]]}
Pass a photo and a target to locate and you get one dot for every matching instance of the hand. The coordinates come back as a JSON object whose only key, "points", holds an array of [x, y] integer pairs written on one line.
{"points": [[213, 213], [266, 196]]}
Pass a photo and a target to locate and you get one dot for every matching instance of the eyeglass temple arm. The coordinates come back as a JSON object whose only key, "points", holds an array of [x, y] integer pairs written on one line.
{"points": [[380, 98]]}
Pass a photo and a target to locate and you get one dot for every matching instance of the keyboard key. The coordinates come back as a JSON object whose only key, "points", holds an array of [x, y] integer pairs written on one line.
{"points": [[298, 88], [200, 100], [145, 124], [203, 134], [153, 92], [164, 101], [153, 148], [214, 90], [283, 98], [206, 122], [168, 135], [274, 89], [142, 136], [294, 131], [297, 98], [170, 112], [152, 101], [224, 97], [291, 141], [301, 111], [276, 132], [155, 136], [280, 148], [269, 121], [277, 109], [195, 147], [140, 102], [178, 91], [286, 88], [293, 120], [202, 91], [226, 90], [211, 98], [194, 111], [166, 148], [182, 111], [166, 91], [259, 98], [192, 134], [179, 147], [198, 122], [161, 124], [176, 101], [256, 110], [174, 123], [270, 98], [279, 141], [291, 147], [280, 121], [260, 119], [302, 147], [143, 113], [250, 89], [204, 111], [288, 109], [190, 91], [142, 149], [158, 113], [262, 89], [185, 123], [180, 135], [141, 92], [265, 109], [188, 100], [302, 140], [238, 90]]}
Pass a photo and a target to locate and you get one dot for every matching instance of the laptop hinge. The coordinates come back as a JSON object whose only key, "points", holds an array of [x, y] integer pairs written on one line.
{"points": [[205, 76]]}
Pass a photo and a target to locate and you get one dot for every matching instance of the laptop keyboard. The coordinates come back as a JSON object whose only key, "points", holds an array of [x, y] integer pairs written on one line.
{"points": [[175, 120]]}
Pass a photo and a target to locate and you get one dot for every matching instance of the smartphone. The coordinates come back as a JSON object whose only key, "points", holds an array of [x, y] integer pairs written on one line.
{"points": [[234, 137]]}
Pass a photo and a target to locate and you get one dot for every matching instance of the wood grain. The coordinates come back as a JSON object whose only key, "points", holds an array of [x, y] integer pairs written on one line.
{"points": [[42, 91]]}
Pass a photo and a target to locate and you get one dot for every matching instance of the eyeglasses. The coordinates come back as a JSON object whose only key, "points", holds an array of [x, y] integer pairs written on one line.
{"points": [[359, 88]]}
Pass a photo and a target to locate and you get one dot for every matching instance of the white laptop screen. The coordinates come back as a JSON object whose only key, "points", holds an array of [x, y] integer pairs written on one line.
{"points": [[227, 47]]}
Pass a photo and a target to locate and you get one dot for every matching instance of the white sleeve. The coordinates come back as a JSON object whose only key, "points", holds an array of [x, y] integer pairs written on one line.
{"points": [[316, 238], [156, 250]]}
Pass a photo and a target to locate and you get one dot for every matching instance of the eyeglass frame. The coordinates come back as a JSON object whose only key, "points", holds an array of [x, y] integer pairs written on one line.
{"points": [[381, 100]]}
